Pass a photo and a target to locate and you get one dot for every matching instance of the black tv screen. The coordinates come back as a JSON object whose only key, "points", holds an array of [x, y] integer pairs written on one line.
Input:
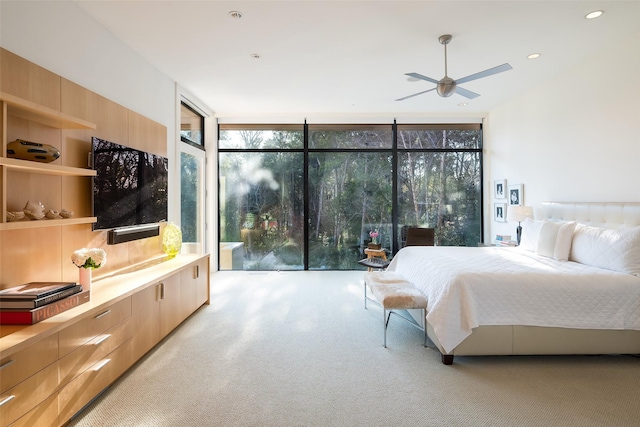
{"points": [[130, 187]]}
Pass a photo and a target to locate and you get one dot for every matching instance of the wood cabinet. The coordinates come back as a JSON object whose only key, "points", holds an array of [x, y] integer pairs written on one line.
{"points": [[51, 370], [146, 317], [195, 286], [27, 378], [160, 308], [157, 311]]}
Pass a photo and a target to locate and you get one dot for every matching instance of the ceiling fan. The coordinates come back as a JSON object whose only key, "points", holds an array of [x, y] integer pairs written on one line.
{"points": [[447, 86]]}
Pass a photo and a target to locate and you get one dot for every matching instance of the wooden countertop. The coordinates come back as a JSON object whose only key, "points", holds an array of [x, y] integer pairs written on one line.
{"points": [[104, 291]]}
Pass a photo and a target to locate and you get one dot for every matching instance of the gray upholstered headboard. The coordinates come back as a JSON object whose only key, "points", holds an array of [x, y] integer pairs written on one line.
{"points": [[606, 214]]}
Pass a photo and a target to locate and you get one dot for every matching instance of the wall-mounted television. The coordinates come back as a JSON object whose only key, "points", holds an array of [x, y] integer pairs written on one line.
{"points": [[130, 187]]}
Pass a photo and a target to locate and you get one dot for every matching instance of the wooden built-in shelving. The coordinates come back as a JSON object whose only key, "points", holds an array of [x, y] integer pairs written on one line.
{"points": [[19, 225], [44, 168], [31, 111], [17, 107]]}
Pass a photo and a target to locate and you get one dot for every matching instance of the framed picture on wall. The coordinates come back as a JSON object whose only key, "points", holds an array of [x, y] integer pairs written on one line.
{"points": [[500, 212], [500, 188], [516, 195]]}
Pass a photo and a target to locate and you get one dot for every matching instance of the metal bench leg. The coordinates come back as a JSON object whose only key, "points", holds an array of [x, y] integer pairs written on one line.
{"points": [[424, 320], [365, 295], [386, 323]]}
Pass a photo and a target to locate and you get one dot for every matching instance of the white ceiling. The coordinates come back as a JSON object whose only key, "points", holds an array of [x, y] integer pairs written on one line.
{"points": [[349, 57]]}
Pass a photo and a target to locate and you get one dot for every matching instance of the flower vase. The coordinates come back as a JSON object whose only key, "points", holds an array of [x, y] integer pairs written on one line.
{"points": [[85, 278]]}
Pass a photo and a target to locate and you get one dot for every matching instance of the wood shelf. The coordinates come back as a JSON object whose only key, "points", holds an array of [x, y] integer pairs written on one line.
{"points": [[31, 111], [21, 225], [44, 168]]}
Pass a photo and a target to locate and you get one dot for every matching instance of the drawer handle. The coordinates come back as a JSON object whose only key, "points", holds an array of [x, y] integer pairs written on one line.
{"points": [[103, 314], [7, 399], [101, 365], [161, 290], [102, 339], [4, 365]]}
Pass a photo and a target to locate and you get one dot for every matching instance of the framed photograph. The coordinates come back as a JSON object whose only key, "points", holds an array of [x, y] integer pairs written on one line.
{"points": [[500, 212], [500, 189], [516, 195]]}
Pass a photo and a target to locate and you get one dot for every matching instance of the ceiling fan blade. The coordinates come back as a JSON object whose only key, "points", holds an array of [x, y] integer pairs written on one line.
{"points": [[466, 93], [421, 77], [485, 73], [415, 94]]}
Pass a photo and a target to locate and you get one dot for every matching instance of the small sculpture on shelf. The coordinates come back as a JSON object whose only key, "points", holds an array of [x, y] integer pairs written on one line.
{"points": [[15, 216], [27, 150], [52, 214], [66, 214], [34, 210]]}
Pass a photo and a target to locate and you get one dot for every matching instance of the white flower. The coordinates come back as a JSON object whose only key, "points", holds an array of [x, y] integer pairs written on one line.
{"points": [[89, 258]]}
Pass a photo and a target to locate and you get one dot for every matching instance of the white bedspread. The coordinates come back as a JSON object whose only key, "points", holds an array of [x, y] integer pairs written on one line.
{"points": [[467, 287]]}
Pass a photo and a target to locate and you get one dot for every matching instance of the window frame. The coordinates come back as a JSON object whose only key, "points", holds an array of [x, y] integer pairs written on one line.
{"points": [[200, 145], [394, 151]]}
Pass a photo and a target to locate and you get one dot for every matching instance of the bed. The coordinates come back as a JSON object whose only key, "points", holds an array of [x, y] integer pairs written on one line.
{"points": [[571, 287]]}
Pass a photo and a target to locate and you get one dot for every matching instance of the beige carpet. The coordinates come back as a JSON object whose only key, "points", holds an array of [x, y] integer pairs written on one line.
{"points": [[299, 349]]}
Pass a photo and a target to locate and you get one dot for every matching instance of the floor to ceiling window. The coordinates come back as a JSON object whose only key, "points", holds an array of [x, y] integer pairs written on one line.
{"points": [[261, 197], [308, 196], [439, 181], [350, 192], [192, 177]]}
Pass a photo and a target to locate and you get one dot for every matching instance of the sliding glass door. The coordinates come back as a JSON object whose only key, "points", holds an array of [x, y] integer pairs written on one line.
{"points": [[261, 198]]}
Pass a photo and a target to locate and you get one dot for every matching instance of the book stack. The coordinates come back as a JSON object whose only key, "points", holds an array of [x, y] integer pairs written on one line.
{"points": [[35, 301], [504, 240]]}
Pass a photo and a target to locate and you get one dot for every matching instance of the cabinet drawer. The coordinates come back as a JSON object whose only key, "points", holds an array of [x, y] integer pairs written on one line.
{"points": [[19, 400], [87, 329], [43, 415], [79, 360], [75, 395], [22, 364]]}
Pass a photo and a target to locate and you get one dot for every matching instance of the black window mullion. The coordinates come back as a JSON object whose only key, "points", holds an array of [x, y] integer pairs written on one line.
{"points": [[305, 230], [394, 190]]}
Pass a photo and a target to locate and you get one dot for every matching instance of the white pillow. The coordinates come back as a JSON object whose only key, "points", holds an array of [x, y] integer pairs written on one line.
{"points": [[530, 233], [554, 239], [563, 241], [547, 238], [617, 250]]}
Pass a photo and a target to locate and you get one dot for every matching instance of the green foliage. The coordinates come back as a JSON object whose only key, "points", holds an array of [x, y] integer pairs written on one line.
{"points": [[349, 192]]}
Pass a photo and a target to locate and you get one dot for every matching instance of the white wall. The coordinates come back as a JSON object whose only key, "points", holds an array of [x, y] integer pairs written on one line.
{"points": [[574, 138]]}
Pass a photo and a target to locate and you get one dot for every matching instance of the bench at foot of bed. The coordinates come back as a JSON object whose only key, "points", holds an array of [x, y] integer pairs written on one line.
{"points": [[392, 291]]}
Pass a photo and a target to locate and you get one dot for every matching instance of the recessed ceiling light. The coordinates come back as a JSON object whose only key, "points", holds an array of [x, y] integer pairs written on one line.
{"points": [[533, 56], [255, 55], [235, 14], [595, 14], [463, 104]]}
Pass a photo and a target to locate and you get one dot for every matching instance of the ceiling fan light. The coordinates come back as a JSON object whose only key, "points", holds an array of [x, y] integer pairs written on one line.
{"points": [[446, 87]]}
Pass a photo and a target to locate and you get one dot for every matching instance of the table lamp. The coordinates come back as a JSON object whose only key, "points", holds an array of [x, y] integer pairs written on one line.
{"points": [[519, 213]]}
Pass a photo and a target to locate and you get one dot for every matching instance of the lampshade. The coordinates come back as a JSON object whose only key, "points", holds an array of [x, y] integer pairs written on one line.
{"points": [[519, 213]]}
